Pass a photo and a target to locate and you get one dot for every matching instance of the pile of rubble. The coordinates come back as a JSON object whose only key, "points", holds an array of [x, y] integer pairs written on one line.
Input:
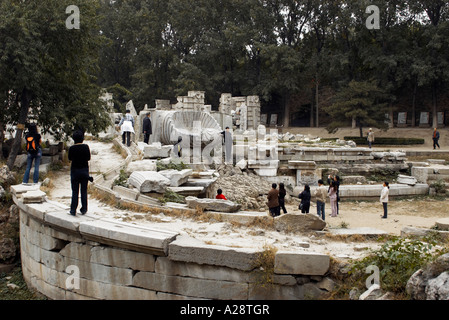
{"points": [[243, 187]]}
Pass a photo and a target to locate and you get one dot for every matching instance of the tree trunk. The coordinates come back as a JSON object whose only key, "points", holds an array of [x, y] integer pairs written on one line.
{"points": [[2, 138], [415, 89], [286, 121], [434, 105], [317, 122], [17, 144]]}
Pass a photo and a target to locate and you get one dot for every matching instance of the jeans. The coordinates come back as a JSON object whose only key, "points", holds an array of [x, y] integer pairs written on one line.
{"points": [[126, 138], [275, 211], [37, 161], [282, 206], [79, 178], [436, 144], [385, 205], [320, 209], [146, 138]]}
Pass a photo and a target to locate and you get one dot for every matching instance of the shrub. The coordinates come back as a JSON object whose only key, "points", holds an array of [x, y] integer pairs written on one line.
{"points": [[439, 186], [171, 196], [122, 179], [264, 266], [176, 166], [397, 260], [387, 141]]}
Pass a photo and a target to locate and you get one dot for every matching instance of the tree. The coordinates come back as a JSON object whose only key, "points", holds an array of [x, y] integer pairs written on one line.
{"points": [[47, 70], [363, 101]]}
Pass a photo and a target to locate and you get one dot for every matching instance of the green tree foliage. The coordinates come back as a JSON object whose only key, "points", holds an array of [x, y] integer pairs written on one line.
{"points": [[362, 101], [48, 71]]}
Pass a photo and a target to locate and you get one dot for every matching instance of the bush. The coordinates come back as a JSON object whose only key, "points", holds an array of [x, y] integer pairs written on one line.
{"points": [[171, 196], [397, 260], [385, 141], [122, 179], [439, 186], [176, 166]]}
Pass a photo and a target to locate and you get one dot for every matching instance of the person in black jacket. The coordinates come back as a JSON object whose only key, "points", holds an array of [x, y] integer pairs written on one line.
{"points": [[305, 199], [146, 128], [282, 194], [79, 155]]}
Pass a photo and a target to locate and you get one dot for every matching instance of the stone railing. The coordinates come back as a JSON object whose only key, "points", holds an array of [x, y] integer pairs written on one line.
{"points": [[92, 257]]}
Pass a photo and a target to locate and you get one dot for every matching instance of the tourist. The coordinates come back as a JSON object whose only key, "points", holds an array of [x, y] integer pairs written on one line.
{"points": [[436, 137], [34, 153], [370, 137], [146, 129], [336, 181], [177, 149], [384, 198], [305, 196], [220, 195], [321, 194], [273, 201], [228, 143], [282, 194], [332, 192], [127, 127], [79, 155]]}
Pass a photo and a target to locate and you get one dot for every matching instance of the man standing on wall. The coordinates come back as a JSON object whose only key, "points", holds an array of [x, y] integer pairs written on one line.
{"points": [[146, 128]]}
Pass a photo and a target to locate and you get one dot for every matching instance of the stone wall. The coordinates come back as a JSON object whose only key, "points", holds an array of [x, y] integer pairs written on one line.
{"points": [[92, 257]]}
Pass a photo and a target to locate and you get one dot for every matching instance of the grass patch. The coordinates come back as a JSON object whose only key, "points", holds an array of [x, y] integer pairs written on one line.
{"points": [[22, 292], [170, 166], [264, 267]]}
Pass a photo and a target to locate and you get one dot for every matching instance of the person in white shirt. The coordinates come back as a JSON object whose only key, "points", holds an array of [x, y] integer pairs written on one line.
{"points": [[384, 198], [127, 127]]}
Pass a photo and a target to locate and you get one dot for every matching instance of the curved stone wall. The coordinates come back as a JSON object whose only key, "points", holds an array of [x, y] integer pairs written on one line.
{"points": [[88, 257]]}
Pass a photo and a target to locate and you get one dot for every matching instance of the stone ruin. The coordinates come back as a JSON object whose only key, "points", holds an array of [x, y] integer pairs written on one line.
{"points": [[260, 155]]}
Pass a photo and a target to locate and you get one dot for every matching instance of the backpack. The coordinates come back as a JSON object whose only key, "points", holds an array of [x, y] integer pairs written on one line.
{"points": [[32, 145]]}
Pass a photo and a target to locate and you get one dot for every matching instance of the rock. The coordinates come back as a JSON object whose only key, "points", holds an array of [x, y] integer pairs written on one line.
{"points": [[213, 204], [299, 223], [301, 263], [6, 176], [354, 179], [142, 165], [241, 188], [21, 161], [149, 181], [373, 293], [417, 284], [177, 178], [438, 288], [46, 182], [242, 164], [387, 296], [354, 294], [327, 284], [411, 181], [2, 193], [34, 196], [443, 224], [7, 249], [156, 150], [12, 286]]}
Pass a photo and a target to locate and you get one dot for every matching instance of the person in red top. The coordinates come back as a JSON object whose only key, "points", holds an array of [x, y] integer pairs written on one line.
{"points": [[220, 195]]}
